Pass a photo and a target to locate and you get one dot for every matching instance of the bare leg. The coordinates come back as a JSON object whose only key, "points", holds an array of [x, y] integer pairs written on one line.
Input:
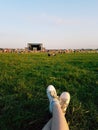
{"points": [[48, 125], [58, 121]]}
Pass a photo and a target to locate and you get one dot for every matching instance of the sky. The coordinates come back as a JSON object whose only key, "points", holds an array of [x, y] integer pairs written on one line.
{"points": [[58, 24]]}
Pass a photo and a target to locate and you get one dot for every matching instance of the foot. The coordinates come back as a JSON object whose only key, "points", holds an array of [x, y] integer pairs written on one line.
{"points": [[52, 96], [64, 101]]}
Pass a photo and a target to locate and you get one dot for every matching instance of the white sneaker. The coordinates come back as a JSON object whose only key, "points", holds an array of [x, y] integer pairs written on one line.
{"points": [[52, 96], [64, 101]]}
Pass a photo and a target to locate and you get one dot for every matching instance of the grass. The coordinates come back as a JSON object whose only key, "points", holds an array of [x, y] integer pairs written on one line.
{"points": [[23, 82]]}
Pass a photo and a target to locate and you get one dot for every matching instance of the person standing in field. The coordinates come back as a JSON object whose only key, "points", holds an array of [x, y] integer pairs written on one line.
{"points": [[58, 109]]}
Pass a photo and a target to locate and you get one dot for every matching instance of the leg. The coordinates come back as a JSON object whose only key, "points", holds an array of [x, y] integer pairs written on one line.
{"points": [[58, 121], [48, 125]]}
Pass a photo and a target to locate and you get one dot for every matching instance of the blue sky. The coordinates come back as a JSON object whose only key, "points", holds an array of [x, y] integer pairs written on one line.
{"points": [[58, 24]]}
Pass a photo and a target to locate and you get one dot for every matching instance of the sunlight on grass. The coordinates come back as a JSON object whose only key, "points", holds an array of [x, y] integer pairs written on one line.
{"points": [[23, 82]]}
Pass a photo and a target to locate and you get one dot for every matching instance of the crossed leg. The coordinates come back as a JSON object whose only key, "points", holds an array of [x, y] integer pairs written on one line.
{"points": [[58, 121]]}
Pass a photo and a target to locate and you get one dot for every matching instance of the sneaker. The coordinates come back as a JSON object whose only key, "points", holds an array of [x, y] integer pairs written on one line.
{"points": [[64, 101], [52, 96]]}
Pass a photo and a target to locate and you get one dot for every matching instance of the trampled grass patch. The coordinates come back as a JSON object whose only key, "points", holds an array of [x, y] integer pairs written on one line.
{"points": [[23, 82]]}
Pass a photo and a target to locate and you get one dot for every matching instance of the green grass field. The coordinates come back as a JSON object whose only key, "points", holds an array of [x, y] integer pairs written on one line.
{"points": [[23, 82]]}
